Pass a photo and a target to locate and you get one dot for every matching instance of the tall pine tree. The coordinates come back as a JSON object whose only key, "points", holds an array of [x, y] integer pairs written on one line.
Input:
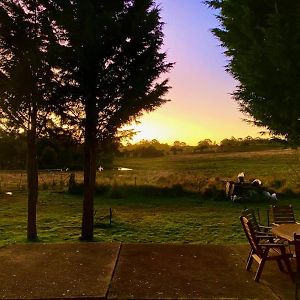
{"points": [[110, 64], [25, 83], [262, 41]]}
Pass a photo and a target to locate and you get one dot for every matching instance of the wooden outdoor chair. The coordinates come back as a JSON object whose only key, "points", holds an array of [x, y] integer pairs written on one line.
{"points": [[282, 214], [258, 228], [297, 252], [262, 232], [263, 250]]}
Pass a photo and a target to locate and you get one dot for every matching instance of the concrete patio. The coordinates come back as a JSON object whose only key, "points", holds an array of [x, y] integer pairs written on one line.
{"points": [[135, 271]]}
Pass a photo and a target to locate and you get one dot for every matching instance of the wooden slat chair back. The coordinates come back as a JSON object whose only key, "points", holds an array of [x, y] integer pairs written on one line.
{"points": [[297, 252], [282, 214], [264, 250], [251, 236], [250, 215]]}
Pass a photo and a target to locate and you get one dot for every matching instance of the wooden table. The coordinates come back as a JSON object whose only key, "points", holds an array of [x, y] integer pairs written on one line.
{"points": [[286, 231]]}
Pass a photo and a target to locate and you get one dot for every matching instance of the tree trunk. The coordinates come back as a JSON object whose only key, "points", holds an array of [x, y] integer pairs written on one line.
{"points": [[90, 146], [32, 182]]}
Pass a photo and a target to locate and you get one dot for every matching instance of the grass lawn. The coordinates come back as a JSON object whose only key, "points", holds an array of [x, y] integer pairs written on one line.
{"points": [[135, 219], [146, 217]]}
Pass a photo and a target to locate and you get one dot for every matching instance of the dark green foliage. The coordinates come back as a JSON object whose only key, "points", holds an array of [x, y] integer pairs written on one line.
{"points": [[49, 158], [144, 148], [26, 84], [147, 151], [250, 144], [111, 61], [109, 64], [277, 183], [177, 147], [206, 144], [66, 152], [211, 192], [53, 152], [116, 191], [26, 75], [262, 41], [72, 183], [12, 151]]}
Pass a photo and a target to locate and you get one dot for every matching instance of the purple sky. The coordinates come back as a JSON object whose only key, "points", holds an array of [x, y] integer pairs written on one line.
{"points": [[201, 106]]}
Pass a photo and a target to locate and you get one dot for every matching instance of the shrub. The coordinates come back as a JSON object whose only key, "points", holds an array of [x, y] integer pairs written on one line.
{"points": [[277, 183], [76, 189], [288, 192], [213, 188], [116, 192], [102, 189], [45, 186], [177, 190], [48, 158]]}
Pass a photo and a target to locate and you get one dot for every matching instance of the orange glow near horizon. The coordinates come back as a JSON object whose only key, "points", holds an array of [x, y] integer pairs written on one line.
{"points": [[167, 128], [201, 106]]}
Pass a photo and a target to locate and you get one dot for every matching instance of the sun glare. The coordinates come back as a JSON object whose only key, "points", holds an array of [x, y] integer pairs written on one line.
{"points": [[167, 129]]}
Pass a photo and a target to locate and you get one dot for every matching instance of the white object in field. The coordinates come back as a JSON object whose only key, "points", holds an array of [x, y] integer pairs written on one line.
{"points": [[256, 181], [124, 169], [9, 193], [100, 168], [241, 177], [274, 196]]}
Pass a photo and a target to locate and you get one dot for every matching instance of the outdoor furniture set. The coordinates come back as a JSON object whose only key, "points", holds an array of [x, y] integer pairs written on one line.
{"points": [[281, 242]]}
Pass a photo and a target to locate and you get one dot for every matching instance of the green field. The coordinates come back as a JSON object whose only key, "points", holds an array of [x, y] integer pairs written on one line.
{"points": [[262, 164], [146, 202]]}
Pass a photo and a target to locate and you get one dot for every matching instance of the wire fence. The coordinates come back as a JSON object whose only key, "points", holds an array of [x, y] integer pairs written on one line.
{"points": [[11, 181], [59, 179]]}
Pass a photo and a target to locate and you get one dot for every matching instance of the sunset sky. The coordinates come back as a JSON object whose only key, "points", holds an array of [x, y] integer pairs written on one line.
{"points": [[201, 106]]}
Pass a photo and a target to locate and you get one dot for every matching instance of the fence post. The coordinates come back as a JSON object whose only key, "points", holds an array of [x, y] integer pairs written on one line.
{"points": [[20, 181], [61, 183], [53, 179], [72, 182], [258, 215]]}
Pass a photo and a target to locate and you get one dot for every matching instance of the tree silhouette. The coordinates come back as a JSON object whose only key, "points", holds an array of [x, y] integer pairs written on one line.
{"points": [[261, 39], [204, 144], [25, 83], [109, 64]]}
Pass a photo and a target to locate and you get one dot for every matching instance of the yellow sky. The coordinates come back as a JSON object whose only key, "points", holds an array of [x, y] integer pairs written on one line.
{"points": [[169, 127], [201, 106]]}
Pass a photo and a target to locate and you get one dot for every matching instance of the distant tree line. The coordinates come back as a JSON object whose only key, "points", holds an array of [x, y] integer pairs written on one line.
{"points": [[61, 151], [240, 144], [56, 152], [154, 148]]}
